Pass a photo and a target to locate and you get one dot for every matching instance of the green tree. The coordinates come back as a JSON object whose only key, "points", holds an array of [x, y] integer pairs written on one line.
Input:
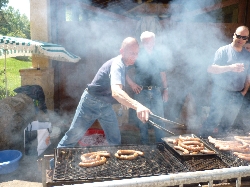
{"points": [[3, 3], [17, 25]]}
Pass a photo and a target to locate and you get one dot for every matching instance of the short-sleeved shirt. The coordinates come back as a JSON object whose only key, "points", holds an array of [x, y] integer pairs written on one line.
{"points": [[148, 68], [231, 81], [111, 72]]}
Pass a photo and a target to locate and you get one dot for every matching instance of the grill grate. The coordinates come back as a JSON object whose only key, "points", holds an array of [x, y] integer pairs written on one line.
{"points": [[199, 162], [156, 161]]}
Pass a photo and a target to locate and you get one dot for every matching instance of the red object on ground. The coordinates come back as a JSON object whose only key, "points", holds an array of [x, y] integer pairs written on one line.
{"points": [[93, 137]]}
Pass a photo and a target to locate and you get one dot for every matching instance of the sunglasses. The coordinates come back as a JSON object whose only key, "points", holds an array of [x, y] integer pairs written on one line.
{"points": [[239, 37]]}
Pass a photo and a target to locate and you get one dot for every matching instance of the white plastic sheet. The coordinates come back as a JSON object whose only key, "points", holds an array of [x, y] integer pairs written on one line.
{"points": [[43, 134], [43, 140]]}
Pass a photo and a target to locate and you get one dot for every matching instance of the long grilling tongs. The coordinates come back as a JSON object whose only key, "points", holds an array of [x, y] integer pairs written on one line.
{"points": [[165, 120], [160, 127]]}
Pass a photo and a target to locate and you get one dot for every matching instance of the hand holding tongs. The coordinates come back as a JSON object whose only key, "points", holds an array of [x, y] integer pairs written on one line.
{"points": [[165, 120]]}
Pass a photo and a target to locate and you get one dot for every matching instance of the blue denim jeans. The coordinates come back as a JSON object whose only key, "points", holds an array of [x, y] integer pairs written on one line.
{"points": [[152, 99], [88, 110], [224, 108]]}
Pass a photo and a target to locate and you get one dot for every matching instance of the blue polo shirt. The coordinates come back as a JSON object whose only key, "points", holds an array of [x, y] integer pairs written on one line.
{"points": [[111, 72]]}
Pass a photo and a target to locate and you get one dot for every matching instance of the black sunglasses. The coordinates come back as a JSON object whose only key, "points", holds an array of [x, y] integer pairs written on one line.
{"points": [[239, 37]]}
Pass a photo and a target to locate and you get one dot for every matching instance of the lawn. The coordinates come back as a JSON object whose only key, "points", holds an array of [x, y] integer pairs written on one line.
{"points": [[13, 66]]}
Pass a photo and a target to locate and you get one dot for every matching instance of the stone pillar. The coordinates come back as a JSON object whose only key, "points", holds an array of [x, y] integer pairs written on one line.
{"points": [[39, 28], [43, 78], [41, 74]]}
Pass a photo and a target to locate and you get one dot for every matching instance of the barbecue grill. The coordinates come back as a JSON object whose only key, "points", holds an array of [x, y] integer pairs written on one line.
{"points": [[160, 166]]}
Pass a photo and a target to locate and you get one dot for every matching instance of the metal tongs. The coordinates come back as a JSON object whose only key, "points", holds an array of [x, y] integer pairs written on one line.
{"points": [[160, 127], [165, 120]]}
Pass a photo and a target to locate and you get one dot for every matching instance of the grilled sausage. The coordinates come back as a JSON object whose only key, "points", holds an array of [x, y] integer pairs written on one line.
{"points": [[185, 151], [94, 163], [128, 152], [205, 151], [127, 156]]}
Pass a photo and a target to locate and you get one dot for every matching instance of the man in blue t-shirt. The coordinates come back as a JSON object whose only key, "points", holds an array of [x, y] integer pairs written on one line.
{"points": [[97, 99], [230, 73]]}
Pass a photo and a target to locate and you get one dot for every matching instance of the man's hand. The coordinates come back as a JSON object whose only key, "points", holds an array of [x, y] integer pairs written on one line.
{"points": [[136, 88], [143, 113], [237, 67]]}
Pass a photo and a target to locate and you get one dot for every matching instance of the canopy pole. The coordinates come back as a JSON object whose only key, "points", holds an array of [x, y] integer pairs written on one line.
{"points": [[5, 74]]}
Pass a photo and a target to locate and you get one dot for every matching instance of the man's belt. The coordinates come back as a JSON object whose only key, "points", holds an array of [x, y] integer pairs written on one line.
{"points": [[149, 87]]}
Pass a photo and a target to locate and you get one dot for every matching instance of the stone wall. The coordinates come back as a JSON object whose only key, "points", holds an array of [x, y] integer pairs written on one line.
{"points": [[15, 114]]}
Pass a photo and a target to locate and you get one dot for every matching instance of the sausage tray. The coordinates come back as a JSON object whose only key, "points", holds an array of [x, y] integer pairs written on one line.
{"points": [[180, 153]]}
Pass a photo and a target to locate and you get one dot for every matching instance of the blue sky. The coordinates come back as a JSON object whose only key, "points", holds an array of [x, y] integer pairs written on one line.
{"points": [[22, 5]]}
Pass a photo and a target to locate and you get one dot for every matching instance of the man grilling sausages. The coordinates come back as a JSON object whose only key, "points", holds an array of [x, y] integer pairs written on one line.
{"points": [[150, 79], [106, 89], [230, 72]]}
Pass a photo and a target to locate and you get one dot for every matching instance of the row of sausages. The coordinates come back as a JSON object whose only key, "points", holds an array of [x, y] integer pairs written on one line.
{"points": [[240, 146], [100, 157], [189, 145]]}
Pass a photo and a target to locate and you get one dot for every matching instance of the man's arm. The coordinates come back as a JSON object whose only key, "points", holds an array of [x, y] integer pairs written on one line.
{"points": [[123, 98], [165, 86], [246, 86], [217, 69]]}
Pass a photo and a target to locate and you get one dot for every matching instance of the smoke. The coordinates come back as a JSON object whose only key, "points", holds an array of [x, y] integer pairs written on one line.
{"points": [[188, 37]]}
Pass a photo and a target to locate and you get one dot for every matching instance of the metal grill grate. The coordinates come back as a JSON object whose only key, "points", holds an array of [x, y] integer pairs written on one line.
{"points": [[156, 161]]}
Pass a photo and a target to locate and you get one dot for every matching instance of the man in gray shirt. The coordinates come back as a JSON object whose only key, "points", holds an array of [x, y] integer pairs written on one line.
{"points": [[230, 73]]}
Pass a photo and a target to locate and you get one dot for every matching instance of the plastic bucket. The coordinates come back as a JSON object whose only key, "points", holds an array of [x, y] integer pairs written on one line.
{"points": [[9, 161]]}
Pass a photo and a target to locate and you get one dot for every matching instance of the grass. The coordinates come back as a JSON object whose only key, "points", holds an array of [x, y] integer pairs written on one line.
{"points": [[13, 65]]}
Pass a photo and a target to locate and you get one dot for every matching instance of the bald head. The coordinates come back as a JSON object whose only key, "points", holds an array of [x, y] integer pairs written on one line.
{"points": [[242, 28], [128, 42], [129, 50], [240, 37]]}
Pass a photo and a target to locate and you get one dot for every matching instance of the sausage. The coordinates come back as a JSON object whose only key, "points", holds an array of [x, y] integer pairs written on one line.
{"points": [[189, 138], [125, 152], [91, 158], [127, 156], [236, 149], [128, 152], [191, 148], [173, 141], [185, 151], [205, 151], [94, 163], [192, 143], [243, 156]]}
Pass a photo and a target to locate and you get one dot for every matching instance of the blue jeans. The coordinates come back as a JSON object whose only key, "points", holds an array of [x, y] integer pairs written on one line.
{"points": [[152, 99], [224, 108], [88, 110]]}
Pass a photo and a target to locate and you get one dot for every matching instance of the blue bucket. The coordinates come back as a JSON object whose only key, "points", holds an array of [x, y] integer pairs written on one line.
{"points": [[9, 161]]}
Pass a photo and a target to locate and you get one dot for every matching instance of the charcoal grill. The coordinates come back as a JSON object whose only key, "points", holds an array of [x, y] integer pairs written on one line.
{"points": [[159, 166], [154, 162]]}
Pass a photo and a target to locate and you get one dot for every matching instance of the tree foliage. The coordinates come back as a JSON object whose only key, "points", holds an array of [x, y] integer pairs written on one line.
{"points": [[3, 3], [17, 25]]}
